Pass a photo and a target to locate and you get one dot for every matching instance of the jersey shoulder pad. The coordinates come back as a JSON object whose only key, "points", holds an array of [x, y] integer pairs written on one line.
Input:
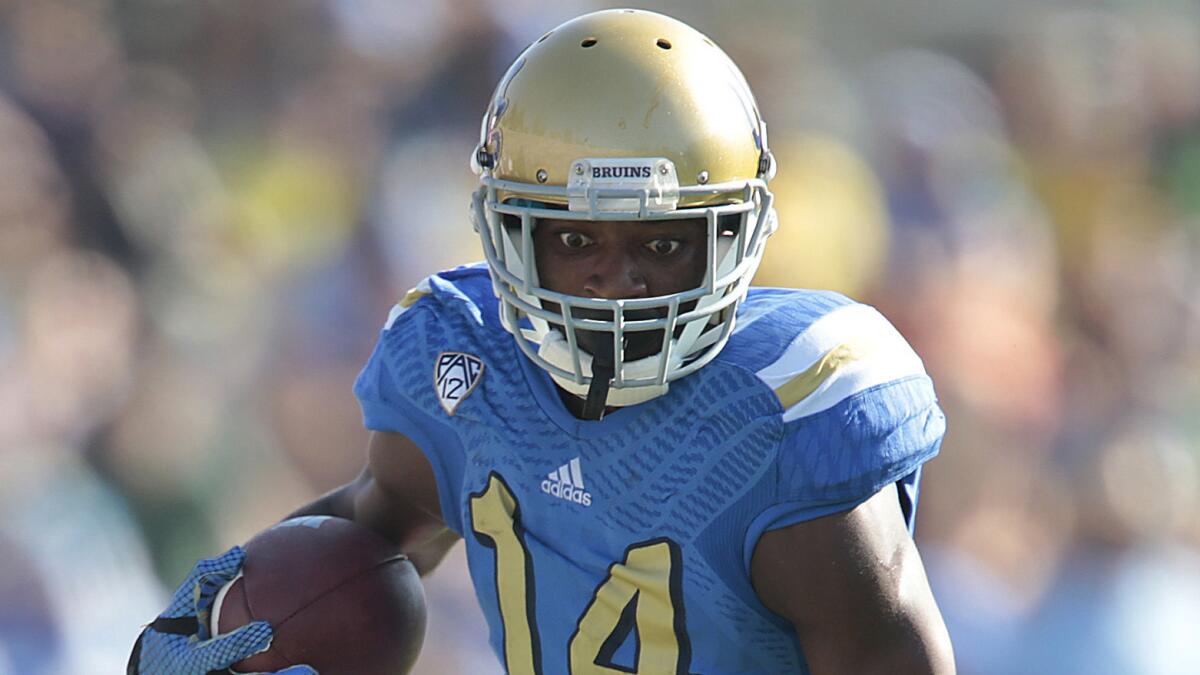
{"points": [[857, 406], [463, 291], [843, 350], [445, 324]]}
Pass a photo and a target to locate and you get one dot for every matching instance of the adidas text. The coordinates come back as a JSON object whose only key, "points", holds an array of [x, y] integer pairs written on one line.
{"points": [[571, 494]]}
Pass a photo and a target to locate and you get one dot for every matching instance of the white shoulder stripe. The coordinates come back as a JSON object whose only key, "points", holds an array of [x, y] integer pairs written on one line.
{"points": [[410, 298], [449, 288], [427, 287], [847, 351]]}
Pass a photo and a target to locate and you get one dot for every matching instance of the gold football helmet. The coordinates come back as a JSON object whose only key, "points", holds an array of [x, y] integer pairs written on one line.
{"points": [[623, 115]]}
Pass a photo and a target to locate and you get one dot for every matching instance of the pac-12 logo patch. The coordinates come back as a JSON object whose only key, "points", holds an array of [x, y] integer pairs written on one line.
{"points": [[454, 377]]}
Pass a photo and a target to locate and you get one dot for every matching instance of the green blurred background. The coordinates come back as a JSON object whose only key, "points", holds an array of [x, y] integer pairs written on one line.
{"points": [[207, 209]]}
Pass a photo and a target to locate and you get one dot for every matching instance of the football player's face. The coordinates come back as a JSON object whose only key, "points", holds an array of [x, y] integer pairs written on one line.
{"points": [[616, 260], [620, 259]]}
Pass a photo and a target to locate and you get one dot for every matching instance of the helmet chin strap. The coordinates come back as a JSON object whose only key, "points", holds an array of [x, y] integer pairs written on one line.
{"points": [[602, 374], [555, 350]]}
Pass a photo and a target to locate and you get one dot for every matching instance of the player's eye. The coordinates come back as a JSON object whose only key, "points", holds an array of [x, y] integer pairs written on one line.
{"points": [[664, 246], [574, 239]]}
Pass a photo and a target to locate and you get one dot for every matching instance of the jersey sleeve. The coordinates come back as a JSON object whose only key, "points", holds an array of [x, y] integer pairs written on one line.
{"points": [[391, 392], [859, 413]]}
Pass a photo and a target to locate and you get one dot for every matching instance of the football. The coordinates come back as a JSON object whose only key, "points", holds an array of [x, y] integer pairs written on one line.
{"points": [[339, 597]]}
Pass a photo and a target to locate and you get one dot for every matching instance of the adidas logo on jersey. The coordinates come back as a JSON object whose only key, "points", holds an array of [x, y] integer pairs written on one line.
{"points": [[567, 483]]}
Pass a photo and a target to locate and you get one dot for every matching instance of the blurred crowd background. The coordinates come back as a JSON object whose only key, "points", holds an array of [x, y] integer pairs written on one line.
{"points": [[207, 209]]}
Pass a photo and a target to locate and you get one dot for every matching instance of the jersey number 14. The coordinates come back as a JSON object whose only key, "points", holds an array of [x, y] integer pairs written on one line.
{"points": [[642, 591]]}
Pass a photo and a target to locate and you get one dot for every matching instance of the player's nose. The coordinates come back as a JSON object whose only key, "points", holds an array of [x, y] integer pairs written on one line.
{"points": [[616, 275]]}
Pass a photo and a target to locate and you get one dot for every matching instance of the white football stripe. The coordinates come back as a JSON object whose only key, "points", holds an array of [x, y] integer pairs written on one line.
{"points": [[219, 602], [881, 355]]}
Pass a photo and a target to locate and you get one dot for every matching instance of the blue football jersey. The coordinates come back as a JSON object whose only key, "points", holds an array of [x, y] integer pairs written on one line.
{"points": [[623, 545]]}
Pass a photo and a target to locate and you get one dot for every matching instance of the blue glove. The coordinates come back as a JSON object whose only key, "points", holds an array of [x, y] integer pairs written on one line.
{"points": [[178, 642]]}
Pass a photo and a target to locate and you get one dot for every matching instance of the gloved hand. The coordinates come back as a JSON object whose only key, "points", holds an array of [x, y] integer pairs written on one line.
{"points": [[178, 641]]}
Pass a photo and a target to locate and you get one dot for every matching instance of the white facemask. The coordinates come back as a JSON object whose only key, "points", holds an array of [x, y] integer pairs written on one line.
{"points": [[555, 350]]}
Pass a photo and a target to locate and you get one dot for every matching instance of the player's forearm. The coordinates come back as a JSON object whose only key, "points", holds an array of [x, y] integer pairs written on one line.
{"points": [[429, 555], [424, 539], [338, 502]]}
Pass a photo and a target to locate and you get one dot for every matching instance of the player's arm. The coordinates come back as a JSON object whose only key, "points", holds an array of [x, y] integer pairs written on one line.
{"points": [[853, 586], [395, 495]]}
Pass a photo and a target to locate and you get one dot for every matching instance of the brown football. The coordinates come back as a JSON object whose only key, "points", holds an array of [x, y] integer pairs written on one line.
{"points": [[339, 598]]}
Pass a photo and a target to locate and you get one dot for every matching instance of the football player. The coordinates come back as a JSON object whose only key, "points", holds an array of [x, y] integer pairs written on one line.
{"points": [[656, 468]]}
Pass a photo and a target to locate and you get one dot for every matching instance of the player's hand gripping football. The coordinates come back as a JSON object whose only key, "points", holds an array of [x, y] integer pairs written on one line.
{"points": [[178, 641]]}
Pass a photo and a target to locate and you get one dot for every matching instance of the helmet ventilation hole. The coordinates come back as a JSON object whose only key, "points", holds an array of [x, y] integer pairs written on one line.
{"points": [[663, 43], [588, 42]]}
